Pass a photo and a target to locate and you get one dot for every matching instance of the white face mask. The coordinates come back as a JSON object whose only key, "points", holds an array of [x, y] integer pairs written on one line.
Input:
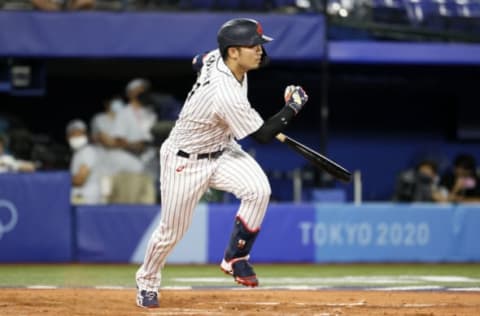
{"points": [[77, 142], [116, 105]]}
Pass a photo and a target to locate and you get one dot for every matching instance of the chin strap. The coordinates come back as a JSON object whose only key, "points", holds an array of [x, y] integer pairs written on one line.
{"points": [[265, 59]]}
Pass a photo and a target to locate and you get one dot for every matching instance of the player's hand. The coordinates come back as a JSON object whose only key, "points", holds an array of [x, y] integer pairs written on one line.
{"points": [[295, 97]]}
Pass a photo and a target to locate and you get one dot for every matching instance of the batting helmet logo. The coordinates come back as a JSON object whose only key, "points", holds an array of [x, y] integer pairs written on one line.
{"points": [[259, 29]]}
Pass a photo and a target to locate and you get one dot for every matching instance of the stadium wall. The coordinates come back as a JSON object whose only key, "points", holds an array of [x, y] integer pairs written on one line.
{"points": [[37, 224]]}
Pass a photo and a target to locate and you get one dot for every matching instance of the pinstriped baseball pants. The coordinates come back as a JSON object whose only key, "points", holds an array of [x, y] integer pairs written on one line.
{"points": [[183, 183]]}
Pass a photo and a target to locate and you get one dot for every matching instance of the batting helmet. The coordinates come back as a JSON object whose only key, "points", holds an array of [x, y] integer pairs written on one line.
{"points": [[240, 32]]}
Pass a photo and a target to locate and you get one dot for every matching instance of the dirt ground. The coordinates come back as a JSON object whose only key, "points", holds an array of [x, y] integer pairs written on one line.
{"points": [[66, 302]]}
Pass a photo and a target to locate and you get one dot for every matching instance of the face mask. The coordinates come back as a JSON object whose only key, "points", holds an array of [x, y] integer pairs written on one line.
{"points": [[77, 142], [116, 105]]}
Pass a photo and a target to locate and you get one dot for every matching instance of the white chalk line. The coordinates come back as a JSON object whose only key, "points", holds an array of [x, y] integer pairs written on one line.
{"points": [[273, 288], [184, 311], [373, 280], [361, 303]]}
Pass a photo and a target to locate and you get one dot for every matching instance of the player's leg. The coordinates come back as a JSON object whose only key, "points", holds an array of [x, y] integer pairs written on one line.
{"points": [[183, 182], [241, 175]]}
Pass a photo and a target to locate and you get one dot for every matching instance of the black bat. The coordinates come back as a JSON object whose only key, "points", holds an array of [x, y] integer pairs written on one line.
{"points": [[317, 159]]}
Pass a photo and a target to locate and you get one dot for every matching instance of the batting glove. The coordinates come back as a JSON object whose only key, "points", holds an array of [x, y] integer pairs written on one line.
{"points": [[295, 97]]}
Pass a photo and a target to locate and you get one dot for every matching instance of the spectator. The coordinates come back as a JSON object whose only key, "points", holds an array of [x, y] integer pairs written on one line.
{"points": [[124, 181], [116, 159], [85, 166], [9, 164], [133, 124], [420, 184], [132, 135], [462, 181], [102, 123]]}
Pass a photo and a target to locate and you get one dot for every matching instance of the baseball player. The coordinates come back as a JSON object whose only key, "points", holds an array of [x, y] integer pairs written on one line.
{"points": [[201, 152]]}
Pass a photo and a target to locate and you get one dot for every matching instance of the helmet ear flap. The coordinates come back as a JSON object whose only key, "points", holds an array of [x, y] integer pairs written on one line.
{"points": [[265, 59]]}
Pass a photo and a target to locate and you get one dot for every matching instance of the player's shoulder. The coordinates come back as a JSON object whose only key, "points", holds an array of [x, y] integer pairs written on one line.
{"points": [[201, 63]]}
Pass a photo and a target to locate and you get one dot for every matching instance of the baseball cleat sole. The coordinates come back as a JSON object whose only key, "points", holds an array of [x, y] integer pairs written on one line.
{"points": [[250, 281]]}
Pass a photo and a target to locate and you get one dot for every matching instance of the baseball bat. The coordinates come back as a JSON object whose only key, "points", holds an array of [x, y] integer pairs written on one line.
{"points": [[317, 159]]}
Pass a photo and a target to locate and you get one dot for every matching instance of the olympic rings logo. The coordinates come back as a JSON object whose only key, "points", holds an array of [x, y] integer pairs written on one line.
{"points": [[10, 225]]}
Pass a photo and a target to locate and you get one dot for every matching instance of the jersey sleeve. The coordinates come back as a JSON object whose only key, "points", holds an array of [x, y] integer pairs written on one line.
{"points": [[235, 110]]}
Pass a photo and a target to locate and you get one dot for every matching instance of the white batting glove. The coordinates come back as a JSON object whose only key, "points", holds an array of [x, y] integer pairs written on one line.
{"points": [[295, 97]]}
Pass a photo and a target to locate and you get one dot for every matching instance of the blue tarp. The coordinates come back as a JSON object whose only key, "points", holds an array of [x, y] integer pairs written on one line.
{"points": [[146, 34], [403, 53], [166, 35]]}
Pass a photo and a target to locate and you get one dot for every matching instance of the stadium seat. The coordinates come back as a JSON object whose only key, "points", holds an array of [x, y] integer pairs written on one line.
{"points": [[473, 9], [389, 11]]}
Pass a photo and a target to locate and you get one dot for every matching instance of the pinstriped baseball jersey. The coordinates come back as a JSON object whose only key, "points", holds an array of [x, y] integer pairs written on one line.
{"points": [[216, 110]]}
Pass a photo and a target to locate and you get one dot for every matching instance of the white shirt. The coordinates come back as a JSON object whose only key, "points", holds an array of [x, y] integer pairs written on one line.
{"points": [[8, 163], [102, 123], [90, 191], [134, 124], [115, 160]]}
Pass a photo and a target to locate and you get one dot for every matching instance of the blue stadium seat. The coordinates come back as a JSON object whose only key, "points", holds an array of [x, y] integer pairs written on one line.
{"points": [[414, 12], [389, 11], [473, 9], [435, 15]]}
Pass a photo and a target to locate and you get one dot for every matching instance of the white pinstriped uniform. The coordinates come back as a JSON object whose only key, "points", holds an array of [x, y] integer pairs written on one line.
{"points": [[216, 113]]}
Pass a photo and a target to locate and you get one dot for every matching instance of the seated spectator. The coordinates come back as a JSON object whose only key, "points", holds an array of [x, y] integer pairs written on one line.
{"points": [[8, 163], [462, 182], [85, 166], [420, 184]]}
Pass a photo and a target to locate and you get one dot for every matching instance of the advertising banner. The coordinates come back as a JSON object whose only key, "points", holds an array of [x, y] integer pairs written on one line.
{"points": [[35, 218]]}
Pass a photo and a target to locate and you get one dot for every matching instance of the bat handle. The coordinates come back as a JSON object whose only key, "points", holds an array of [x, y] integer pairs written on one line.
{"points": [[281, 137]]}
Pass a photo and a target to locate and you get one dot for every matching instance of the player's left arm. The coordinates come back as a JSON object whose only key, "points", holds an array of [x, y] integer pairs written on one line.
{"points": [[295, 99]]}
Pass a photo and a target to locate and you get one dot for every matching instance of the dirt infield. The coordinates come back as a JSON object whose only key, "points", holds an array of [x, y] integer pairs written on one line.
{"points": [[46, 302]]}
